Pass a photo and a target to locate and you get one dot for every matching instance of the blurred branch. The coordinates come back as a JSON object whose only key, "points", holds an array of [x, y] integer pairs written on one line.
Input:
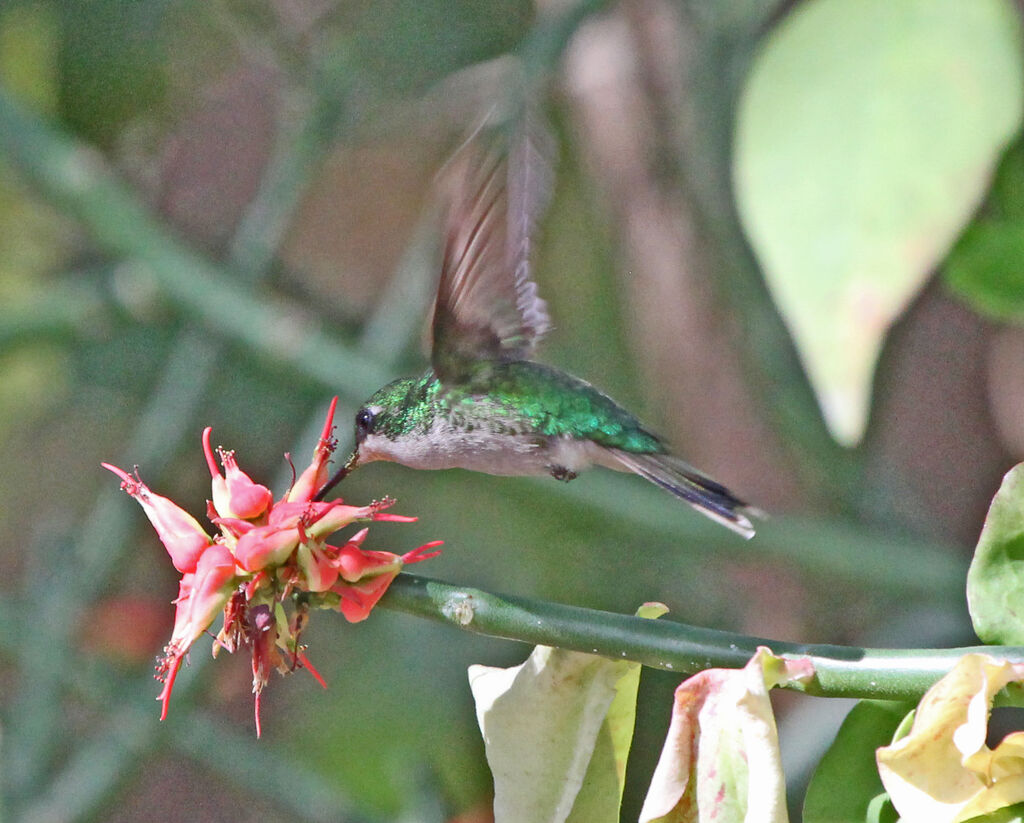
{"points": [[261, 769], [97, 547], [63, 313], [75, 177], [884, 563], [305, 126], [543, 49], [104, 759], [840, 671]]}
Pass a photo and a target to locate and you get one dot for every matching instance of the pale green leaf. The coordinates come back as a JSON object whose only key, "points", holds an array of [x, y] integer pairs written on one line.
{"points": [[866, 135], [540, 722], [995, 580], [606, 776], [556, 732]]}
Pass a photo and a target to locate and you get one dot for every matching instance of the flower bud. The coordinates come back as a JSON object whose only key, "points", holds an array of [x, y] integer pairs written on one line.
{"points": [[309, 482], [318, 569], [235, 495]]}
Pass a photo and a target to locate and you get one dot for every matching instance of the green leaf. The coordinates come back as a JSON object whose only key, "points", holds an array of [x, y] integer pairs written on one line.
{"points": [[1006, 201], [846, 784], [995, 580], [557, 731], [866, 136], [880, 810], [986, 267]]}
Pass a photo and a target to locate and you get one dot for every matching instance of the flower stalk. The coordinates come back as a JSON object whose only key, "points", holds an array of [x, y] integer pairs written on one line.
{"points": [[840, 671]]}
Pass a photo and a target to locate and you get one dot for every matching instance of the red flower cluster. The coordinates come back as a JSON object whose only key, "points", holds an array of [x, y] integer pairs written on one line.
{"points": [[268, 565]]}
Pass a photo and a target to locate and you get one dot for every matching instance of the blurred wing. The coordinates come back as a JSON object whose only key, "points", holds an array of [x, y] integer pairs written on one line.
{"points": [[487, 305]]}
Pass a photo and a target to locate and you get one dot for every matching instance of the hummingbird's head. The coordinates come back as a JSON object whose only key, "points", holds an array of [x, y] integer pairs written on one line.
{"points": [[384, 418]]}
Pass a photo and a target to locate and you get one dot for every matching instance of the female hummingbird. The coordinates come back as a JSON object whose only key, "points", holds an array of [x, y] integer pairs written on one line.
{"points": [[483, 404]]}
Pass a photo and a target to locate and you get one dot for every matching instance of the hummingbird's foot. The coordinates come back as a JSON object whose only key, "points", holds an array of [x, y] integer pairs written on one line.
{"points": [[562, 473]]}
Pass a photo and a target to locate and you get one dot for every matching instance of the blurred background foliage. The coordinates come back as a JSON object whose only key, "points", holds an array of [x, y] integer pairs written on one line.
{"points": [[215, 212]]}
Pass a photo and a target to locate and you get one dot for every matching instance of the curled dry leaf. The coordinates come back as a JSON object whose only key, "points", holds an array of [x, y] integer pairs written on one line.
{"points": [[942, 771]]}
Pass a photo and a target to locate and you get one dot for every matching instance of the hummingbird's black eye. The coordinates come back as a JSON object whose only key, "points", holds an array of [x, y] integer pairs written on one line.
{"points": [[364, 422]]}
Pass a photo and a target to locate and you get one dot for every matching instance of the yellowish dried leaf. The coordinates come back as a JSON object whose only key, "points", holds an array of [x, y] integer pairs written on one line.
{"points": [[942, 771]]}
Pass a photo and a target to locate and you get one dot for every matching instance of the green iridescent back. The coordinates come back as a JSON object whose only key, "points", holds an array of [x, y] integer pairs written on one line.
{"points": [[557, 404], [517, 398]]}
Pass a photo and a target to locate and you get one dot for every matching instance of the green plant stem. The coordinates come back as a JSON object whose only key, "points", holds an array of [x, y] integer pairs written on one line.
{"points": [[840, 671], [61, 315], [75, 176]]}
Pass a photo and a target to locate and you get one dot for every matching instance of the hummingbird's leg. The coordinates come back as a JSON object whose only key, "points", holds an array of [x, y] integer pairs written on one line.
{"points": [[562, 473]]}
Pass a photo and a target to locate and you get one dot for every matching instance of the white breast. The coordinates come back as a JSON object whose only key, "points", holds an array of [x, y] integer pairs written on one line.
{"points": [[447, 447]]}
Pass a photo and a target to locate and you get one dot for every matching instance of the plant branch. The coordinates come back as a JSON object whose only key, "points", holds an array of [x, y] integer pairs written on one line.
{"points": [[76, 177], [840, 671]]}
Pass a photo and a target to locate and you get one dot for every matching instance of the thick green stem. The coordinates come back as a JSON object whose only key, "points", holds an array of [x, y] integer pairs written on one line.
{"points": [[840, 671]]}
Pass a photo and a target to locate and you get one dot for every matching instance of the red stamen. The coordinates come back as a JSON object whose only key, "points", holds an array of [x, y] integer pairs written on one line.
{"points": [[167, 675], [304, 661], [418, 554], [208, 451], [291, 465], [256, 709]]}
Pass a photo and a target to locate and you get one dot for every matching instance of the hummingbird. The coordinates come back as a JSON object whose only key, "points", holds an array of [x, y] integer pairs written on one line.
{"points": [[484, 404]]}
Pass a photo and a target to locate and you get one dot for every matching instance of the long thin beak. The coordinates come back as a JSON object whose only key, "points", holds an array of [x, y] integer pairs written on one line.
{"points": [[339, 475]]}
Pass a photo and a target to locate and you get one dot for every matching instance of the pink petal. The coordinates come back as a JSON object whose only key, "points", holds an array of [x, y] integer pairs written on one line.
{"points": [[265, 546], [202, 596], [358, 599], [355, 563], [181, 534], [309, 482]]}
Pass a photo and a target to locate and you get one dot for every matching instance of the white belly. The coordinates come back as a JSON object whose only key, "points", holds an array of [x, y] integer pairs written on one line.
{"points": [[448, 448]]}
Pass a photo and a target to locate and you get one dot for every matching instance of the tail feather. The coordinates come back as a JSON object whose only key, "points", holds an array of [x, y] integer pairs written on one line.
{"points": [[685, 482]]}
